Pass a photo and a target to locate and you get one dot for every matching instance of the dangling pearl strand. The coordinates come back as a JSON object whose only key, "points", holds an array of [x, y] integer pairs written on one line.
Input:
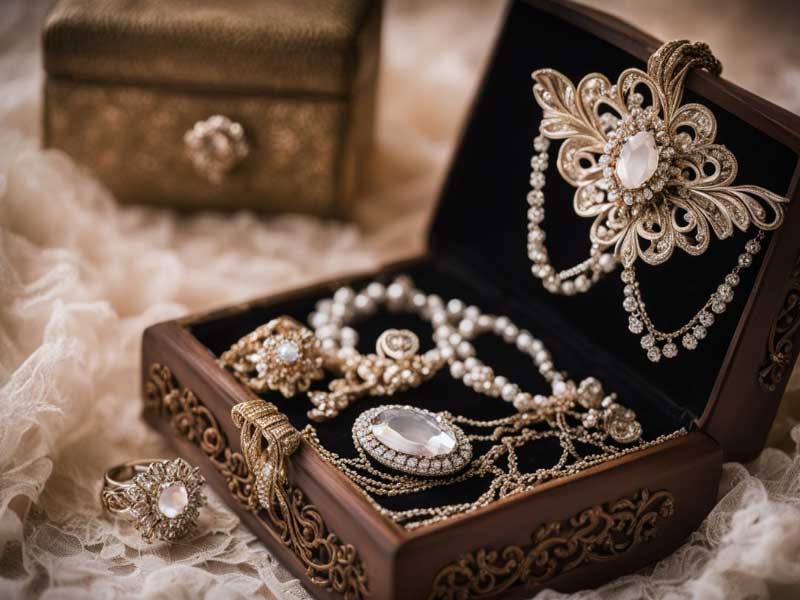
{"points": [[457, 324], [577, 279]]}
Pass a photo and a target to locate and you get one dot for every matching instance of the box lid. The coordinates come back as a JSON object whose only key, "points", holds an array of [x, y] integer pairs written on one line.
{"points": [[481, 226], [280, 45]]}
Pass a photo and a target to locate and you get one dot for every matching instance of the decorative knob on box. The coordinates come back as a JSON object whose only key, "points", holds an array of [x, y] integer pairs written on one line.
{"points": [[216, 146]]}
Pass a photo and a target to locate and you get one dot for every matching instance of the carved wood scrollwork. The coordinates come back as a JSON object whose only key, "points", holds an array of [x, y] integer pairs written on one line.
{"points": [[329, 563], [596, 534], [780, 343]]}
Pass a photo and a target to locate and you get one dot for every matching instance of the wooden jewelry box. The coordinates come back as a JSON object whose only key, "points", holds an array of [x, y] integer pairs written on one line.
{"points": [[575, 531]]}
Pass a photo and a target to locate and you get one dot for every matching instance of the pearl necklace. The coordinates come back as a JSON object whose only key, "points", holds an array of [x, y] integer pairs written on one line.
{"points": [[584, 421], [580, 278], [396, 365], [458, 324], [455, 326]]}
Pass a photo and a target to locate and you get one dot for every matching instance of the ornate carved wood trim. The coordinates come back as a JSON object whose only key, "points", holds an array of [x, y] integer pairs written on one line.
{"points": [[596, 534], [782, 330], [329, 563]]}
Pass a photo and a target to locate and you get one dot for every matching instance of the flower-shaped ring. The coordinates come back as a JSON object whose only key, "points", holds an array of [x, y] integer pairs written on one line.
{"points": [[162, 497], [281, 355]]}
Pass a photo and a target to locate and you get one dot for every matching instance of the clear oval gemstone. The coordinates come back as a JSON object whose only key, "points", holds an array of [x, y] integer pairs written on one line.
{"points": [[412, 432], [638, 160], [173, 500]]}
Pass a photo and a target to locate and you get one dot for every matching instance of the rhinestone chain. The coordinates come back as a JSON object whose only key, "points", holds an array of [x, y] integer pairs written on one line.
{"points": [[582, 276], [697, 328], [576, 279]]}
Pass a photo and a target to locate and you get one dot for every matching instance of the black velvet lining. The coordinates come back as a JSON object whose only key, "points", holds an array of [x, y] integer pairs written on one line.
{"points": [[443, 392], [478, 254]]}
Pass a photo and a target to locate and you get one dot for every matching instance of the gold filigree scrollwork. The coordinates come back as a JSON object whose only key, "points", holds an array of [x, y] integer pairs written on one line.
{"points": [[191, 420], [780, 343], [596, 534], [267, 439], [688, 196]]}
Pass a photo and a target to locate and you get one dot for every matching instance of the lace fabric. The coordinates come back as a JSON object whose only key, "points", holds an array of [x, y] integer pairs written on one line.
{"points": [[80, 278]]}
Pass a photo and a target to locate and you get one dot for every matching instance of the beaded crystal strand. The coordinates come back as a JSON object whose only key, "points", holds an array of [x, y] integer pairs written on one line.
{"points": [[659, 343], [581, 277], [576, 279]]}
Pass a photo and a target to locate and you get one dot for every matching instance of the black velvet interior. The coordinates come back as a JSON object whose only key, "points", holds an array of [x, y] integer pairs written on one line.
{"points": [[443, 392], [478, 254]]}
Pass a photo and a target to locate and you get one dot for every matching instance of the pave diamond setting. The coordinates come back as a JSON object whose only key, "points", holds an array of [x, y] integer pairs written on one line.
{"points": [[412, 440]]}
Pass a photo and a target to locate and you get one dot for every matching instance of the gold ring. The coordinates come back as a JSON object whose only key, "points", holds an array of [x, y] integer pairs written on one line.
{"points": [[162, 497], [281, 355]]}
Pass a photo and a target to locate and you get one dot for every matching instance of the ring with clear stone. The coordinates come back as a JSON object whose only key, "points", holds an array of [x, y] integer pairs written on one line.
{"points": [[161, 497]]}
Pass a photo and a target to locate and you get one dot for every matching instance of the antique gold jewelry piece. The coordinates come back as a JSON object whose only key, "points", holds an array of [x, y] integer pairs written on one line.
{"points": [[162, 497], [432, 450], [216, 146], [396, 365], [648, 172], [280, 356], [412, 440]]}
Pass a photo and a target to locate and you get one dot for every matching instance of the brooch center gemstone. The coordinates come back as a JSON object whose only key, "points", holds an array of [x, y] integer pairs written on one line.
{"points": [[638, 160]]}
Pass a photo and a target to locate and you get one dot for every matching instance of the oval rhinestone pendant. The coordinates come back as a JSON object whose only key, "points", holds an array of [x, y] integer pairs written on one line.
{"points": [[412, 440]]}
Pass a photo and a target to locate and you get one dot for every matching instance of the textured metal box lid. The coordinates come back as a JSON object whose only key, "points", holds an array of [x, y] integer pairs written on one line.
{"points": [[279, 45]]}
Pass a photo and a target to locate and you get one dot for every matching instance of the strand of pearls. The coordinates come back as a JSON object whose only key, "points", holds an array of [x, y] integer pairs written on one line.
{"points": [[455, 325], [332, 318], [577, 279]]}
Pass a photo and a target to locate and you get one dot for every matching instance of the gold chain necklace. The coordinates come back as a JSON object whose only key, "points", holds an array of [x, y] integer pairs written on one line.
{"points": [[589, 426]]}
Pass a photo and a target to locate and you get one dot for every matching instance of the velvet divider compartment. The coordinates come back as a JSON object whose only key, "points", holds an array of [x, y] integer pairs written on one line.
{"points": [[724, 393]]}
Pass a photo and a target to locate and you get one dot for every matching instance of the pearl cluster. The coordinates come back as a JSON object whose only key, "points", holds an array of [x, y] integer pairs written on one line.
{"points": [[577, 279], [697, 328], [331, 318]]}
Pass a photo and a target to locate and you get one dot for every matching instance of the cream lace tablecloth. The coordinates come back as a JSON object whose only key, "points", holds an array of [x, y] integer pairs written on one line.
{"points": [[81, 277]]}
